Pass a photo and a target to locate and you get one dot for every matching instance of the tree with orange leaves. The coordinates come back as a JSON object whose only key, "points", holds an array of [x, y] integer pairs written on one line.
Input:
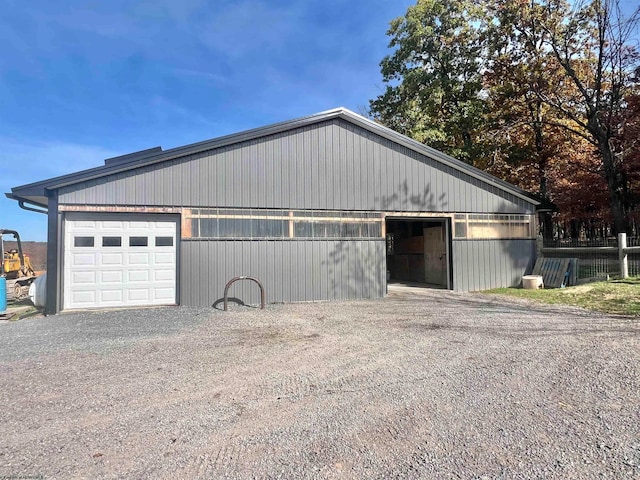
{"points": [[592, 47], [535, 91]]}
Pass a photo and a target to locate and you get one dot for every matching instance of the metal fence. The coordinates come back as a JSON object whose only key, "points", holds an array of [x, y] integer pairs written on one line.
{"points": [[597, 257]]}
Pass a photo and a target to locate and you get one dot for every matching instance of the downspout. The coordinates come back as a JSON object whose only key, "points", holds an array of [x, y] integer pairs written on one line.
{"points": [[31, 209], [21, 203]]}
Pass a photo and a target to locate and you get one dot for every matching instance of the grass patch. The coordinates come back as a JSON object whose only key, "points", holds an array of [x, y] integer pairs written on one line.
{"points": [[23, 308], [614, 296]]}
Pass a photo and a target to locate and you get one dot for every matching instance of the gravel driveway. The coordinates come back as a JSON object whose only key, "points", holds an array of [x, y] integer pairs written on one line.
{"points": [[422, 384]]}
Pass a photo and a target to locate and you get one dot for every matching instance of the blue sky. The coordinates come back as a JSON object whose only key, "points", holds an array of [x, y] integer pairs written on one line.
{"points": [[84, 80]]}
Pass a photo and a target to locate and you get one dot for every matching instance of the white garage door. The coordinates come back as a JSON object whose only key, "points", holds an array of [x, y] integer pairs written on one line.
{"points": [[116, 263]]}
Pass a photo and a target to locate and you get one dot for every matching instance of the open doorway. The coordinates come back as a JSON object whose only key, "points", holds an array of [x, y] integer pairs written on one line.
{"points": [[418, 251]]}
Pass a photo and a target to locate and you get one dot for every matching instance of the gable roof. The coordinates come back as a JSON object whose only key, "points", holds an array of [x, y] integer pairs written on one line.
{"points": [[36, 193]]}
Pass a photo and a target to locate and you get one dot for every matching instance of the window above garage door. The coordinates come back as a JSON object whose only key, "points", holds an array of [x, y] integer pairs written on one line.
{"points": [[119, 260]]}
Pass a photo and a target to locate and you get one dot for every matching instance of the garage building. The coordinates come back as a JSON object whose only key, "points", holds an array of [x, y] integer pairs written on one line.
{"points": [[324, 207]]}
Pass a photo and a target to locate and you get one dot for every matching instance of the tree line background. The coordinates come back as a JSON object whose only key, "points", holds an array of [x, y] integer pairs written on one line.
{"points": [[542, 93]]}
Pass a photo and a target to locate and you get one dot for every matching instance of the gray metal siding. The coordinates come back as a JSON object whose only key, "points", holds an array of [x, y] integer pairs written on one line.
{"points": [[485, 264], [329, 165], [289, 270]]}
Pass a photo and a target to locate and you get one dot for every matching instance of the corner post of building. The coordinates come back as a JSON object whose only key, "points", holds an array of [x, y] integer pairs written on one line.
{"points": [[53, 254], [622, 255]]}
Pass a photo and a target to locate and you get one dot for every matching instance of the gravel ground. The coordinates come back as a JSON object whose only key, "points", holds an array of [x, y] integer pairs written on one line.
{"points": [[422, 384]]}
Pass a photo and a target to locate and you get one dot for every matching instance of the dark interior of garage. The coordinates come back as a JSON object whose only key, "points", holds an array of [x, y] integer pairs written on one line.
{"points": [[417, 252]]}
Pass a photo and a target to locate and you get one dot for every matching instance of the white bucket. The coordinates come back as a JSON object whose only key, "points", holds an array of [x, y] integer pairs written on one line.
{"points": [[532, 282], [38, 291]]}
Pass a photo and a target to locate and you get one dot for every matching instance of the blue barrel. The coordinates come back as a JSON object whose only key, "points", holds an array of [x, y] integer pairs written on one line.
{"points": [[3, 295]]}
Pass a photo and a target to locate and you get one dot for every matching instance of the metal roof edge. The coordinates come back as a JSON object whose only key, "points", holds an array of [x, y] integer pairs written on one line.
{"points": [[48, 183], [177, 152], [259, 132]]}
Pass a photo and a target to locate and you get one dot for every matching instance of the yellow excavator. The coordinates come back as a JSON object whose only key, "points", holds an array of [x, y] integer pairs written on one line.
{"points": [[16, 266]]}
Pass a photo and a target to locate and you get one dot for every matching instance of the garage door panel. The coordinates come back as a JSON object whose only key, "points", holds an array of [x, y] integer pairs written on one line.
{"points": [[164, 258], [137, 276], [137, 294], [83, 278], [163, 294], [163, 226], [140, 225], [83, 259], [112, 225], [111, 259], [119, 263], [84, 225], [84, 297], [138, 259], [111, 276], [163, 275], [111, 296]]}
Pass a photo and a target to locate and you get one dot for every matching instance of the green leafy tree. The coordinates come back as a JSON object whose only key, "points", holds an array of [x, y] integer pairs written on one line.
{"points": [[434, 76], [521, 130], [511, 85]]}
